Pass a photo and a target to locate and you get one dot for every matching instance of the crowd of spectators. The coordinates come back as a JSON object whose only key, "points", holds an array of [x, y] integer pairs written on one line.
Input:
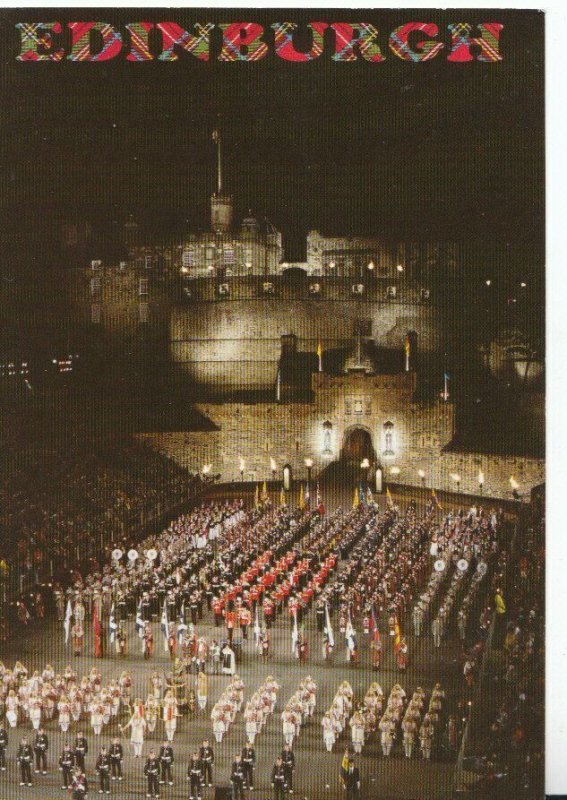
{"points": [[57, 509], [512, 736]]}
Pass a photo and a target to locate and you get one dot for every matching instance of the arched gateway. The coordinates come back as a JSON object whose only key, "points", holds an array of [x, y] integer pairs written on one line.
{"points": [[357, 445]]}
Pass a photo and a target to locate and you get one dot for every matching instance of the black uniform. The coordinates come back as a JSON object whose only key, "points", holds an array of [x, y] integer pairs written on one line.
{"points": [[248, 764], [66, 764], [289, 767], [195, 776], [3, 748], [237, 780], [103, 769], [80, 751], [25, 758], [166, 760], [40, 747], [351, 779], [151, 771], [80, 787], [116, 754], [279, 781], [207, 757]]}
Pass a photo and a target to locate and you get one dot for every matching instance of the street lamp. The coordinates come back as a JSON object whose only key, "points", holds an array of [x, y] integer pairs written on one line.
{"points": [[207, 469], [480, 481], [274, 468], [515, 486], [457, 479], [421, 474], [309, 464], [242, 467]]}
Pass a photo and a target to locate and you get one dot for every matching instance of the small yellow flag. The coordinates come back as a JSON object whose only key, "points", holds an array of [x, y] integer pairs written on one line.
{"points": [[301, 498], [264, 492], [282, 497], [356, 498], [257, 496], [389, 496], [437, 503]]}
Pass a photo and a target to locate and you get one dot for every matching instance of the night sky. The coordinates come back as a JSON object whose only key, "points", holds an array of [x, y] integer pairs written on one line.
{"points": [[427, 151]]}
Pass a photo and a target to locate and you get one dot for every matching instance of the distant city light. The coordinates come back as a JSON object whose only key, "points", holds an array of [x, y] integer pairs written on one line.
{"points": [[371, 265], [523, 284], [400, 268], [394, 470], [488, 282]]}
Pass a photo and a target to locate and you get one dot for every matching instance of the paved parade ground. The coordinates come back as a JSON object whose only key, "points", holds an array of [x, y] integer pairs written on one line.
{"points": [[317, 771]]}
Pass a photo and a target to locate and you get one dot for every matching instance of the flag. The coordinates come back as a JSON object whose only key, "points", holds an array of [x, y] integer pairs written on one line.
{"points": [[369, 497], [257, 629], [295, 635], [328, 627], [139, 620], [306, 496], [67, 620], [112, 626], [345, 762], [181, 625], [445, 393], [320, 504], [301, 498], [373, 627], [350, 636], [437, 503], [407, 346], [361, 494], [97, 632], [165, 627], [397, 634], [389, 500], [215, 136], [320, 355], [264, 492], [257, 496], [282, 497], [356, 498]]}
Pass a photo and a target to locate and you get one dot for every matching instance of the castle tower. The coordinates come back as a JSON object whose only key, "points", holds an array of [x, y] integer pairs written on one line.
{"points": [[221, 204]]}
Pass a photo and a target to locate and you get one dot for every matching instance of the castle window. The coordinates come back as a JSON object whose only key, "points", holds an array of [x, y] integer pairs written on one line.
{"points": [[148, 262], [143, 287], [96, 310], [144, 312], [95, 285]]}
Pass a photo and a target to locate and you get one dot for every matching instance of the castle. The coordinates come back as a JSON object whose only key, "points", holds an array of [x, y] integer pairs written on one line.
{"points": [[339, 357]]}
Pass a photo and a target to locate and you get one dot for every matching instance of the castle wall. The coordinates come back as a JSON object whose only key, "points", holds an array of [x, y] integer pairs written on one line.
{"points": [[263, 433], [229, 344]]}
